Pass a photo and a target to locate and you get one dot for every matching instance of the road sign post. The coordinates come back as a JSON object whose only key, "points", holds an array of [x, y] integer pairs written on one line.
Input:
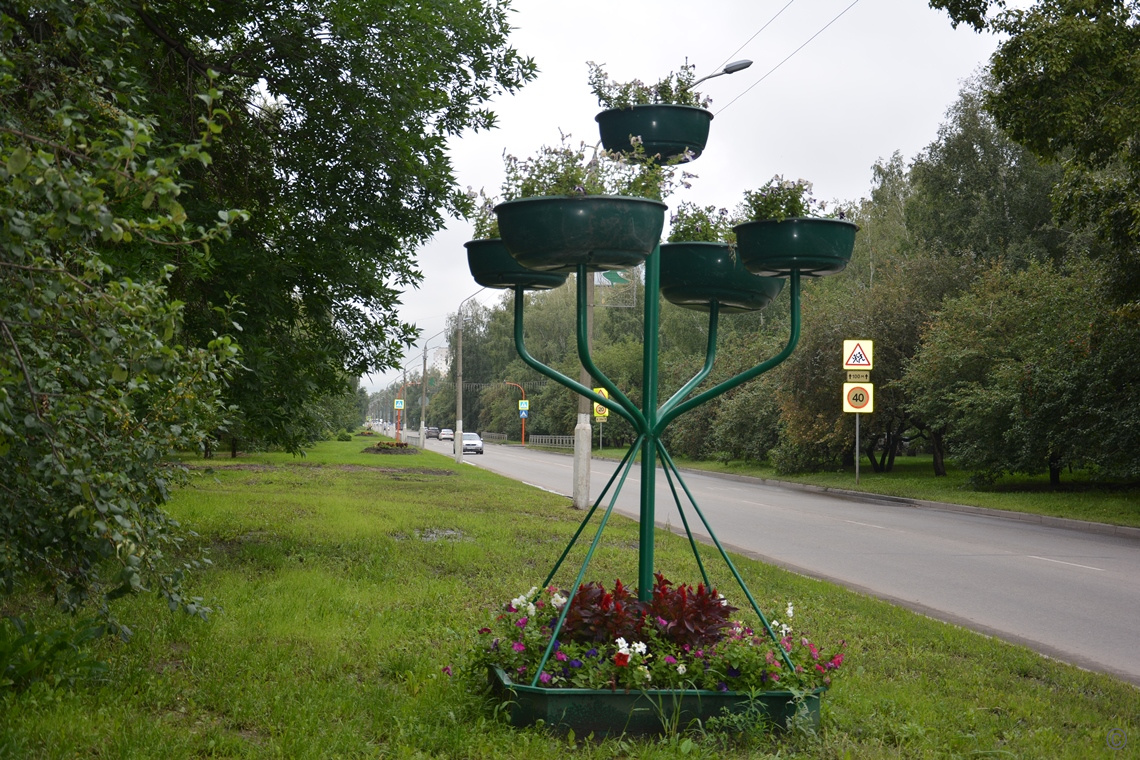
{"points": [[858, 391]]}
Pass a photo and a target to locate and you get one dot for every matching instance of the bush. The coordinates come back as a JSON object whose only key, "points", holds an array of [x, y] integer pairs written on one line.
{"points": [[54, 656]]}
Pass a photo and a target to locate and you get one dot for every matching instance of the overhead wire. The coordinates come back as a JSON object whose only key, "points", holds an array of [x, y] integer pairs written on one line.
{"points": [[789, 56], [754, 36]]}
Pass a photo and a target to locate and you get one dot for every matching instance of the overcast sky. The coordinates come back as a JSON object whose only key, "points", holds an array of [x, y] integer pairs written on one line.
{"points": [[878, 79]]}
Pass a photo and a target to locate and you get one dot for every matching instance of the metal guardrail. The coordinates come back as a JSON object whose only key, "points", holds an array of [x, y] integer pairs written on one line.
{"points": [[553, 441], [494, 437]]}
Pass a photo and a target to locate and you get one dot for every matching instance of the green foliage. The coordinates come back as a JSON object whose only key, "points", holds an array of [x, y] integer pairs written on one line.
{"points": [[567, 170], [97, 390], [56, 656], [675, 89], [338, 120], [691, 223], [1015, 401], [780, 199]]}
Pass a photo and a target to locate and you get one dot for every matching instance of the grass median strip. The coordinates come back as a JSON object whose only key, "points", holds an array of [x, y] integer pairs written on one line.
{"points": [[343, 588]]}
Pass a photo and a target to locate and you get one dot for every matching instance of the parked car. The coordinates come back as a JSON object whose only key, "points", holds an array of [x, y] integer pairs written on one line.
{"points": [[447, 434], [472, 443], [431, 432]]}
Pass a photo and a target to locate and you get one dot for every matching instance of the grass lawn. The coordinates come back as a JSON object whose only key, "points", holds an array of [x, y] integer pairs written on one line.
{"points": [[343, 584], [1077, 498]]}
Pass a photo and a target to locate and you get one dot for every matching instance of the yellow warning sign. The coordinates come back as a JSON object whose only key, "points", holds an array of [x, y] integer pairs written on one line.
{"points": [[601, 412], [857, 354]]}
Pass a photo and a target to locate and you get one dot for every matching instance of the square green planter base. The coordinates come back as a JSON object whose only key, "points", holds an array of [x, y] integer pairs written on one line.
{"points": [[606, 713]]}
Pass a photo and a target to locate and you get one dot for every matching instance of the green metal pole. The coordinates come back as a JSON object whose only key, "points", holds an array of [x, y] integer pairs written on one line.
{"points": [[633, 419], [649, 409]]}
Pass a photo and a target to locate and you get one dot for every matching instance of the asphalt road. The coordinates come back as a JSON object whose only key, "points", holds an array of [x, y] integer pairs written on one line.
{"points": [[1069, 594]]}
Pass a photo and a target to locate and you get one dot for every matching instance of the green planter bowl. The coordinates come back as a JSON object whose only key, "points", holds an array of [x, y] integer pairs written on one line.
{"points": [[557, 233], [664, 129], [813, 246], [492, 266], [694, 275], [611, 713]]}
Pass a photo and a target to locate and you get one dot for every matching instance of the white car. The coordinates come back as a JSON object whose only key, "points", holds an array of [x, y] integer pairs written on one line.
{"points": [[447, 434], [472, 443]]}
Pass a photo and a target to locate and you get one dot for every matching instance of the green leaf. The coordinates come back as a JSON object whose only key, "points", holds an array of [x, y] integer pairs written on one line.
{"points": [[19, 160]]}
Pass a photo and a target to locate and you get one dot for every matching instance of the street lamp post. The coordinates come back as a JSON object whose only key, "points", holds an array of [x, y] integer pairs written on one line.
{"points": [[523, 420], [731, 68], [458, 442]]}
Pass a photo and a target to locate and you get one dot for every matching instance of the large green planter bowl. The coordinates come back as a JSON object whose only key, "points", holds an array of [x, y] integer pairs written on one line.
{"points": [[492, 266], [558, 233], [667, 130], [606, 712], [813, 246], [694, 275]]}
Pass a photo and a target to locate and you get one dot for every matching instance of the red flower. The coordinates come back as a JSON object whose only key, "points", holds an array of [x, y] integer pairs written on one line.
{"points": [[621, 659]]}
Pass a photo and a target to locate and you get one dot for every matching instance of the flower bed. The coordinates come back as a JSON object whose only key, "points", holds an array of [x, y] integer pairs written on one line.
{"points": [[390, 447], [682, 640]]}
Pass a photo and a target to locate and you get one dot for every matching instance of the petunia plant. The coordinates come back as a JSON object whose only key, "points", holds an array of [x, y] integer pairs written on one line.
{"points": [[682, 638], [674, 89]]}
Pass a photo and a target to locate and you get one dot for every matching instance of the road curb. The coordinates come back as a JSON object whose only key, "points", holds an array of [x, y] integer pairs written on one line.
{"points": [[1083, 526]]}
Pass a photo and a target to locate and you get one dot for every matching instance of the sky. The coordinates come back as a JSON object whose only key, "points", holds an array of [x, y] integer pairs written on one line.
{"points": [[877, 78]]}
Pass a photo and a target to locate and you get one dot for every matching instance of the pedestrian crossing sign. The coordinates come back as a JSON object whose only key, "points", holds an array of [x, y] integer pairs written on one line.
{"points": [[857, 354]]}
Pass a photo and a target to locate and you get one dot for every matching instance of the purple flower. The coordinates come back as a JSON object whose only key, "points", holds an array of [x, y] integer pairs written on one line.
{"points": [[721, 686], [521, 622], [544, 678], [575, 663], [518, 646], [592, 653], [446, 670], [733, 672]]}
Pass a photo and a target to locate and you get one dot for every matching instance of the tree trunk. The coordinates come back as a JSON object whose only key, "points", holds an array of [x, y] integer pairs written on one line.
{"points": [[233, 447], [939, 453], [1054, 471]]}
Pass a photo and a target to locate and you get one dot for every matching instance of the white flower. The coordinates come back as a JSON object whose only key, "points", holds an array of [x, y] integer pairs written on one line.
{"points": [[622, 646], [681, 669], [639, 647], [558, 600], [790, 612], [645, 671], [530, 610]]}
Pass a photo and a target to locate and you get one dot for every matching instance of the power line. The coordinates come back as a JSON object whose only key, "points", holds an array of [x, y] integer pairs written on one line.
{"points": [[781, 63], [769, 23]]}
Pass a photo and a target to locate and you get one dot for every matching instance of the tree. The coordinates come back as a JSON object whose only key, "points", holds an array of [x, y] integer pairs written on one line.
{"points": [[1066, 84], [340, 115], [97, 389], [1000, 371]]}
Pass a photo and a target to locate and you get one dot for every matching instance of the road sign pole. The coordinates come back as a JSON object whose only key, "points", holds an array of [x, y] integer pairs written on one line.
{"points": [[857, 416]]}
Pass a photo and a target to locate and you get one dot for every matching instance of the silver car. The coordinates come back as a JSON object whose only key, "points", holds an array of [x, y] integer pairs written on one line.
{"points": [[472, 443]]}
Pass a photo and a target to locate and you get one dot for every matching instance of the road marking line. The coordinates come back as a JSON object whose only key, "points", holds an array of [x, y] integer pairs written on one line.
{"points": [[869, 525], [1073, 564]]}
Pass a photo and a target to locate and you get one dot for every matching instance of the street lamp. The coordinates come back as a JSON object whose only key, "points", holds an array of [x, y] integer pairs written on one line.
{"points": [[458, 442], [731, 68]]}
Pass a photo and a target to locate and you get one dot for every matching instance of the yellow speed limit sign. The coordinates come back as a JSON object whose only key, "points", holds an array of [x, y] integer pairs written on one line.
{"points": [[859, 397], [601, 412]]}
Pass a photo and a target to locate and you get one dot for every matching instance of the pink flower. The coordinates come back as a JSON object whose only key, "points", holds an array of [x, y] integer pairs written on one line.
{"points": [[544, 678], [670, 659], [518, 646], [521, 622], [484, 630], [561, 656], [446, 670]]}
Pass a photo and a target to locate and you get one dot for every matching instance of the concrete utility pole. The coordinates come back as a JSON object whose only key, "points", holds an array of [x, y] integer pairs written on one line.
{"points": [[423, 401], [583, 432]]}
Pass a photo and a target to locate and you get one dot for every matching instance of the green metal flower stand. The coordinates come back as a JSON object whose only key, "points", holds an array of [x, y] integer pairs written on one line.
{"points": [[569, 235]]}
